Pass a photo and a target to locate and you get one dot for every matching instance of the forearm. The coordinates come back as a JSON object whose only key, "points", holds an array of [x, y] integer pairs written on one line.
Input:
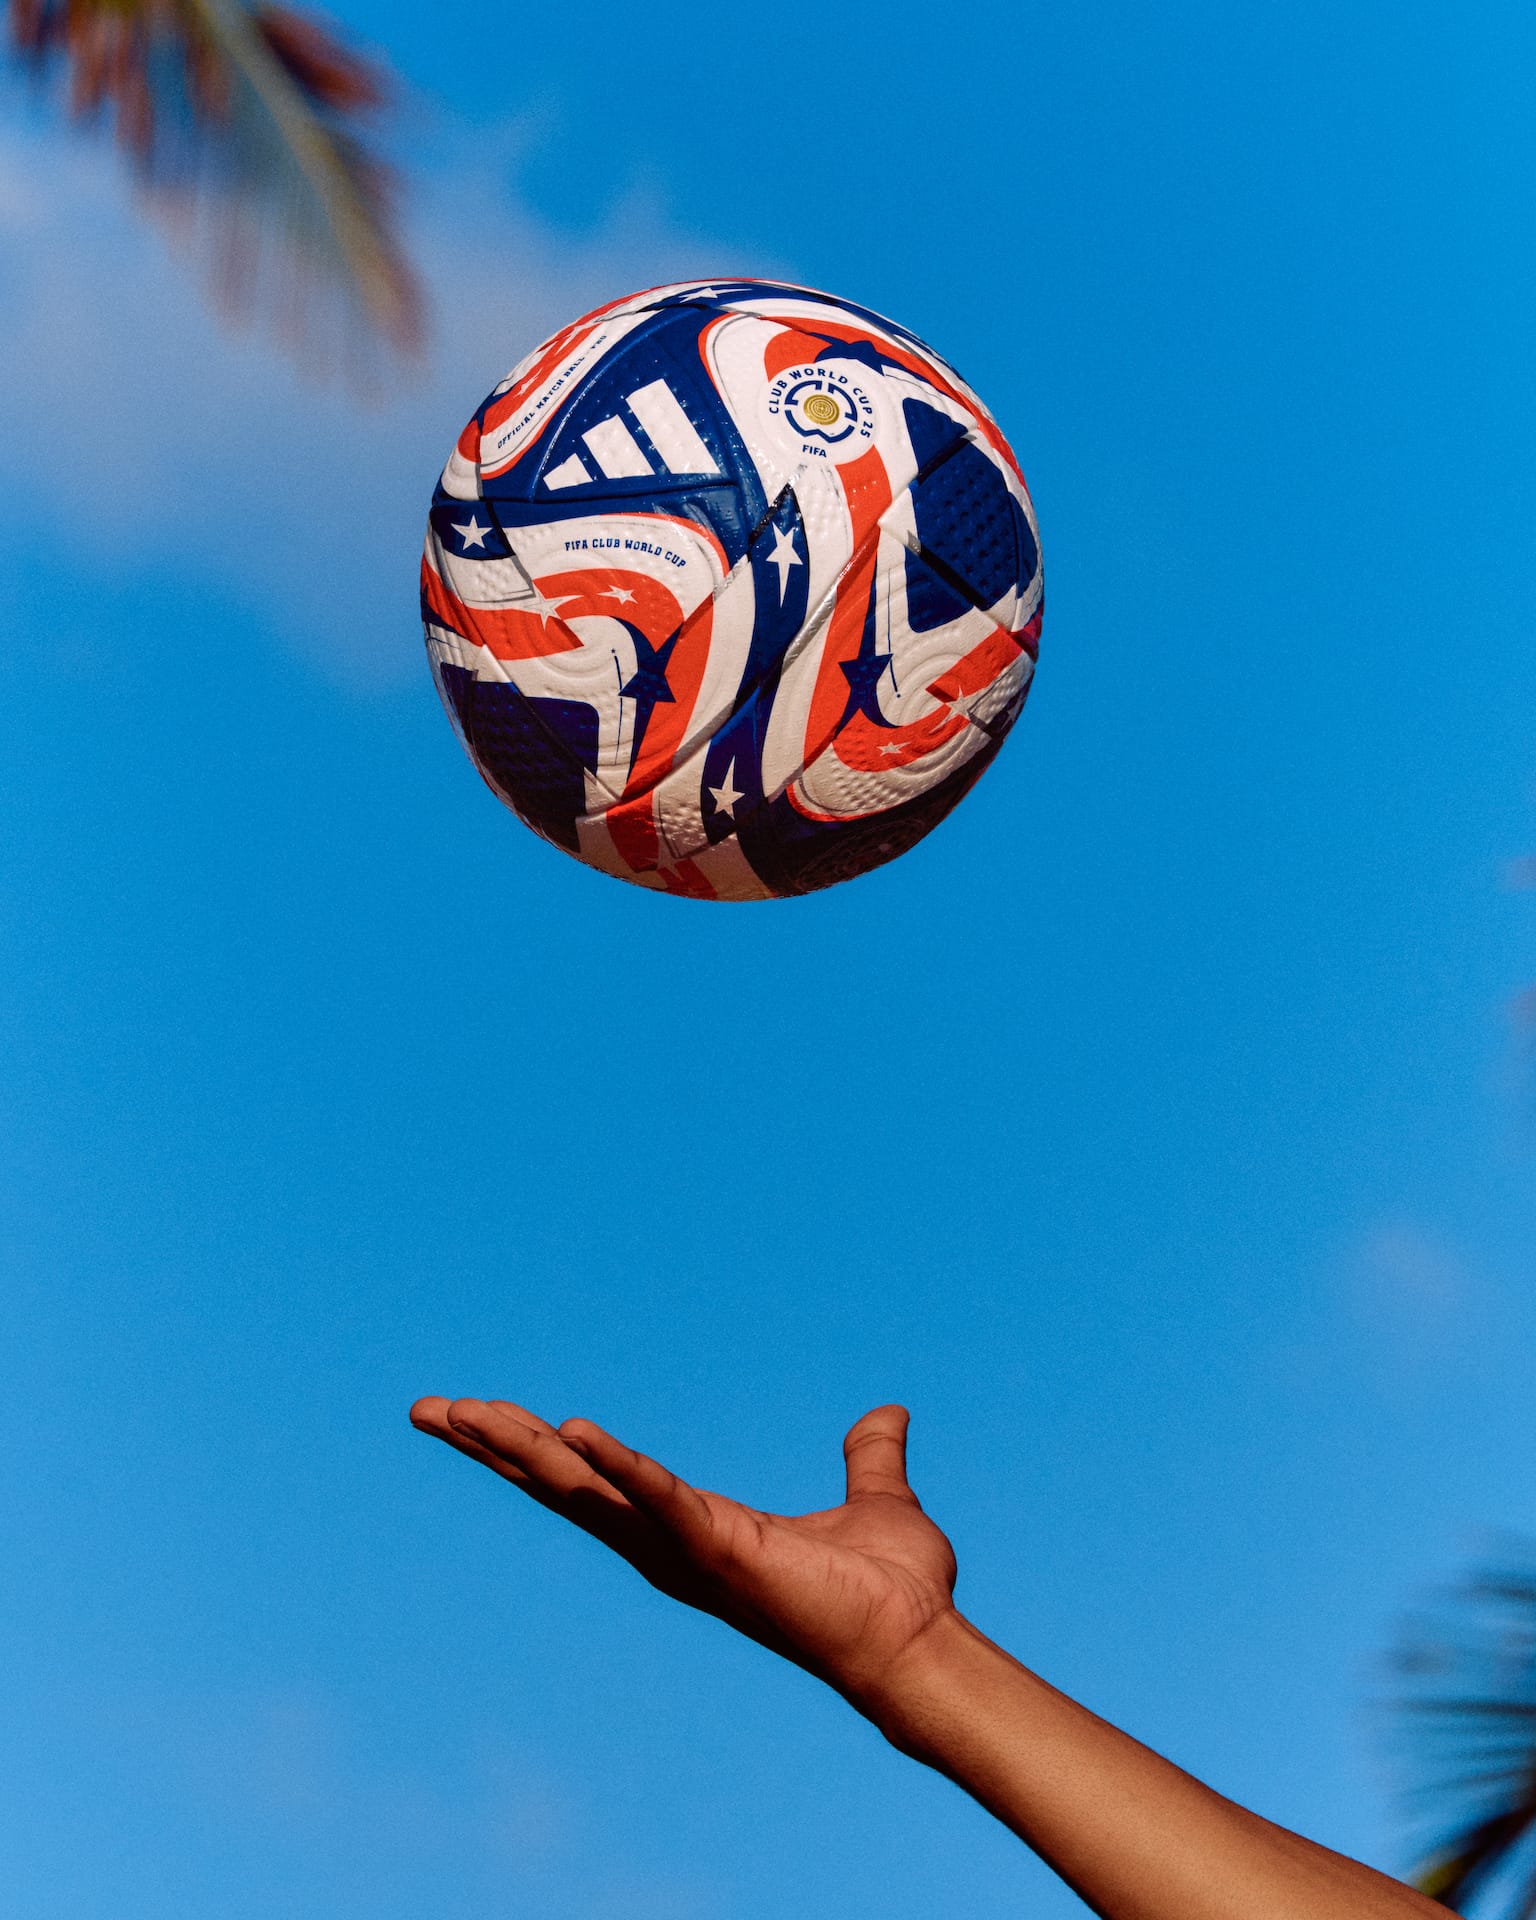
{"points": [[1135, 1836]]}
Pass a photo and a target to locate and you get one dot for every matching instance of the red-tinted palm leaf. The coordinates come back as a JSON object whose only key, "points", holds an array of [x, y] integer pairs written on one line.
{"points": [[245, 122]]}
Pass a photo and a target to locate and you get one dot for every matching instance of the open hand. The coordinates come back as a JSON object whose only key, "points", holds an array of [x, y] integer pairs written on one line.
{"points": [[843, 1593], [849, 1593]]}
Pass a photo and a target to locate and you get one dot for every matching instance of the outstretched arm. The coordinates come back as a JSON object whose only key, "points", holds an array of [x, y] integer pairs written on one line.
{"points": [[861, 1595]]}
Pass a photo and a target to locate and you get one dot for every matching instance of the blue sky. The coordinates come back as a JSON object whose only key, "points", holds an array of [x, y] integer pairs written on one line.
{"points": [[1157, 1130]]}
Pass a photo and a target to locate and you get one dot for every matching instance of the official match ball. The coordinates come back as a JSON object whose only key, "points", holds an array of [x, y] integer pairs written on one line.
{"points": [[732, 589]]}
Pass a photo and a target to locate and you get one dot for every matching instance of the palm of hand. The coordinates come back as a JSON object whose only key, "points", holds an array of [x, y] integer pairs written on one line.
{"points": [[842, 1592]]}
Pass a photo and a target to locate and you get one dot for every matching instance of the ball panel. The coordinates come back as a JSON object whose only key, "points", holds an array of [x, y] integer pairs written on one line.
{"points": [[646, 414], [971, 526], [807, 854], [534, 754]]}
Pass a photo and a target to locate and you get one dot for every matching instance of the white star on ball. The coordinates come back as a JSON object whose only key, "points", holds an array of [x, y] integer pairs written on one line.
{"points": [[784, 557], [472, 533], [544, 608], [962, 705], [726, 794]]}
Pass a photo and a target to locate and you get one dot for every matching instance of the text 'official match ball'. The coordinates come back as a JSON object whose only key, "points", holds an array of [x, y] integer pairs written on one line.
{"points": [[732, 589]]}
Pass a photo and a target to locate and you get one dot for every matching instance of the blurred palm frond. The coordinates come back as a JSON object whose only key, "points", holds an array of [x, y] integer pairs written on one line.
{"points": [[242, 123], [1467, 1723]]}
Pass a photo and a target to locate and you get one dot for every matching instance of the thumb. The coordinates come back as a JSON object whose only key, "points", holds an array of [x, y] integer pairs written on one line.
{"points": [[876, 1453]]}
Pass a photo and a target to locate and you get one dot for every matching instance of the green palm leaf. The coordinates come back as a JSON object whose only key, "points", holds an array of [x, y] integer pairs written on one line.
{"points": [[1468, 1728], [243, 123]]}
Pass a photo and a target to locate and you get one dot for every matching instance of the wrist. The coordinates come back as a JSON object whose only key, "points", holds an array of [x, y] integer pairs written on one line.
{"points": [[912, 1697]]}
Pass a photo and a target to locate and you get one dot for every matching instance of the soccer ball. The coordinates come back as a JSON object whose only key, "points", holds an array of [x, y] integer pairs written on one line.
{"points": [[732, 589]]}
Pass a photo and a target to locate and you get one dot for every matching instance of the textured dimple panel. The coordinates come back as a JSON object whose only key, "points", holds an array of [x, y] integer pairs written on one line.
{"points": [[534, 752], [972, 525], [932, 601], [933, 432]]}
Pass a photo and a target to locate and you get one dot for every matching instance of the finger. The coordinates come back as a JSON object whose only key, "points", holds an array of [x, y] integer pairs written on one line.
{"points": [[876, 1453], [654, 1489], [535, 1450], [534, 1420], [536, 1460], [523, 1416], [431, 1416]]}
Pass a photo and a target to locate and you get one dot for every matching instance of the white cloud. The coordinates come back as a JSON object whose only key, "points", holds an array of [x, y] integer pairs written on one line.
{"points": [[1412, 1265], [130, 412], [1404, 1278]]}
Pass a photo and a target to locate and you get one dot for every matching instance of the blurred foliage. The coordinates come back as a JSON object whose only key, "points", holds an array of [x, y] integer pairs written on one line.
{"points": [[1466, 1720], [244, 126]]}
